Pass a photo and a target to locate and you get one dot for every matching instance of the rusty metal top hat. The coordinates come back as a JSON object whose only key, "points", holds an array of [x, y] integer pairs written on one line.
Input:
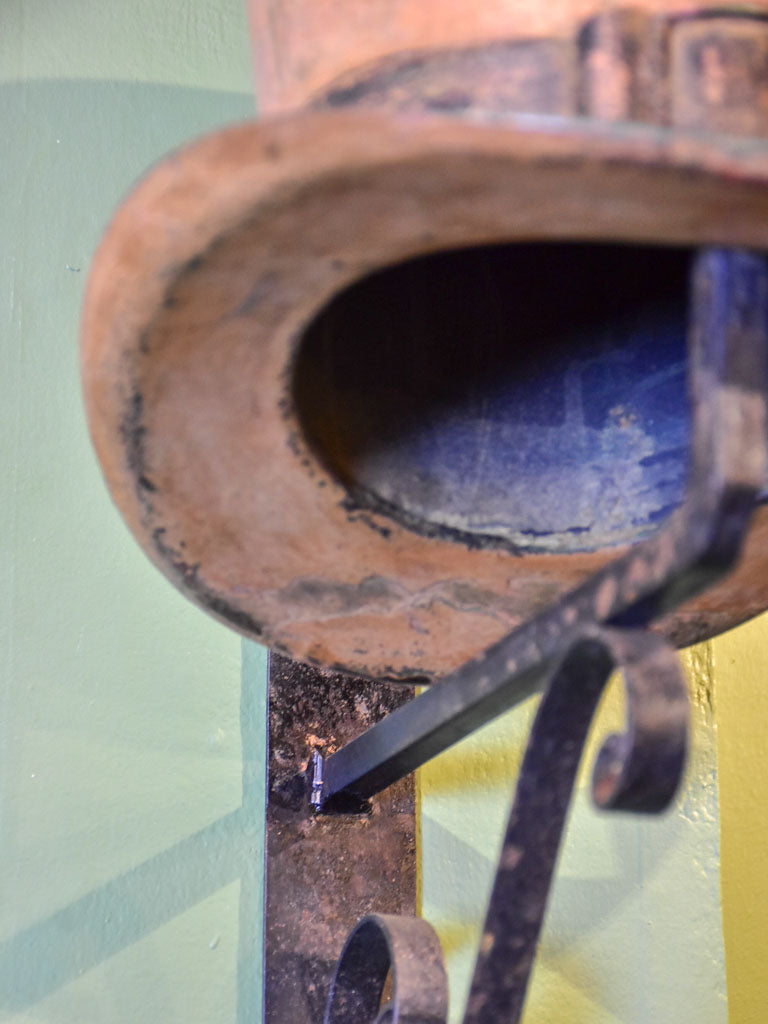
{"points": [[379, 376]]}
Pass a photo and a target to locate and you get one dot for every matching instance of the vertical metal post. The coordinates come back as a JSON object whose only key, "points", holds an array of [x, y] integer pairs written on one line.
{"points": [[325, 872]]}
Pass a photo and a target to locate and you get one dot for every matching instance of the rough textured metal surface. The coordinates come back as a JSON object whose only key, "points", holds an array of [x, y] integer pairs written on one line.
{"points": [[719, 73], [536, 76], [301, 46], [702, 68], [325, 872], [211, 273], [185, 383]]}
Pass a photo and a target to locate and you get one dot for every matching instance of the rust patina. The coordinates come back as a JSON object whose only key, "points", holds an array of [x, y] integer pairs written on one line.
{"points": [[393, 132]]}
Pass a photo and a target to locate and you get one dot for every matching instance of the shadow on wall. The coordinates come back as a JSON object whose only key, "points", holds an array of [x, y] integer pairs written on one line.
{"points": [[110, 683], [126, 909]]}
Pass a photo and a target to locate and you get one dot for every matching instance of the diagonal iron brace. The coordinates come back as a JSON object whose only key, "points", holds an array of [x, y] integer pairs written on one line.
{"points": [[699, 544]]}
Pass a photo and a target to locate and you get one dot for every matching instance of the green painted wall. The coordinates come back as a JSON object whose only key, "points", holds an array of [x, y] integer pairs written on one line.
{"points": [[131, 749], [130, 753]]}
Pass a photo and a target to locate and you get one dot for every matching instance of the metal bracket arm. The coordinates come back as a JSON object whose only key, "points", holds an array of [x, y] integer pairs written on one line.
{"points": [[700, 543], [569, 652]]}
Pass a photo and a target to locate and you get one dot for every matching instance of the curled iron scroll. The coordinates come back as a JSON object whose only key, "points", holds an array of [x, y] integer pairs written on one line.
{"points": [[638, 770], [404, 950]]}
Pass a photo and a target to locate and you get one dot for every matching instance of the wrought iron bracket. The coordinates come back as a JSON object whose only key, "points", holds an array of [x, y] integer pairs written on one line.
{"points": [[339, 803]]}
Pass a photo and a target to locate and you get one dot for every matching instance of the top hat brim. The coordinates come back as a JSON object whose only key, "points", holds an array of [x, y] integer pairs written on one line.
{"points": [[195, 310]]}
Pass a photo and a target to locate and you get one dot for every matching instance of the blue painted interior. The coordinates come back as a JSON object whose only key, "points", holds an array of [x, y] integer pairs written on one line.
{"points": [[525, 395]]}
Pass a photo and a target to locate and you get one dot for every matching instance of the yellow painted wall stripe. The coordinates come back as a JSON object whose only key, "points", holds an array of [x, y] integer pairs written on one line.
{"points": [[740, 661]]}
